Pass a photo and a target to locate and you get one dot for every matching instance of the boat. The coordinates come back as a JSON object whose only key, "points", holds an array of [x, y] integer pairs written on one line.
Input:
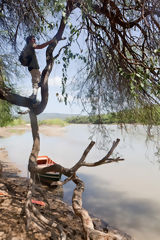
{"points": [[48, 177]]}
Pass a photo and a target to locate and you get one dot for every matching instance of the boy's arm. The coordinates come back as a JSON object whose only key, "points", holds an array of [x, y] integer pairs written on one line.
{"points": [[43, 45]]}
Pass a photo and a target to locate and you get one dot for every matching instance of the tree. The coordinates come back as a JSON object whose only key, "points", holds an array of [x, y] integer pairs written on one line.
{"points": [[5, 114], [6, 109], [122, 60]]}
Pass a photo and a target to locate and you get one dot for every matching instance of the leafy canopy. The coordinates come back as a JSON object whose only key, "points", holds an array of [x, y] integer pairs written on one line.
{"points": [[121, 42]]}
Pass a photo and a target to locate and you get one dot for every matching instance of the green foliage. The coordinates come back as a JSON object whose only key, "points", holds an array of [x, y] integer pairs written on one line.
{"points": [[78, 119], [67, 58], [55, 121], [6, 109], [134, 116], [17, 122], [59, 5], [5, 113]]}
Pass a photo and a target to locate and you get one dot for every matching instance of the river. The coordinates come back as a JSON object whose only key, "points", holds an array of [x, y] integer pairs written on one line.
{"points": [[125, 194]]}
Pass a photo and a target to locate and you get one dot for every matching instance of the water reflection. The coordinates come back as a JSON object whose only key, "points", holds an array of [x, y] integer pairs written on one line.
{"points": [[138, 217]]}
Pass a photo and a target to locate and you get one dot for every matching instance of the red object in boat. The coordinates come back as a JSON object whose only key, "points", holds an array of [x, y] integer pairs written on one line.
{"points": [[48, 177], [44, 160]]}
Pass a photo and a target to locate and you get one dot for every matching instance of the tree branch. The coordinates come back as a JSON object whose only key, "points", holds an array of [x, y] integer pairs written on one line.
{"points": [[79, 163]]}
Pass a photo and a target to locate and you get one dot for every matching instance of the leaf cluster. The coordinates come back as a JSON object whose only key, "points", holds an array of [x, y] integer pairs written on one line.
{"points": [[122, 42]]}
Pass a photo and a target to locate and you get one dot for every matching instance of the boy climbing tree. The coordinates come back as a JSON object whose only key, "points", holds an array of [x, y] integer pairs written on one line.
{"points": [[28, 58]]}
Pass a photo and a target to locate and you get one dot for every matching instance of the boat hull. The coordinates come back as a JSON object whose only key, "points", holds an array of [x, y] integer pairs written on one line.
{"points": [[48, 177]]}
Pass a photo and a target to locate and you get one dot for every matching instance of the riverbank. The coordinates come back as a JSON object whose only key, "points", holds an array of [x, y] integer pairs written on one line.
{"points": [[52, 130], [7, 168], [13, 191]]}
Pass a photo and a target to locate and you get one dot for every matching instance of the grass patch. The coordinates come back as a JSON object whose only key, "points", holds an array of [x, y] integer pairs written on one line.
{"points": [[17, 122], [55, 121]]}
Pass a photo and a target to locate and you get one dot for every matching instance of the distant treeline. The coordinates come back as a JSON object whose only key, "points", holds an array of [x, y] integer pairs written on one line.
{"points": [[144, 116], [139, 116], [54, 121], [105, 119], [49, 122]]}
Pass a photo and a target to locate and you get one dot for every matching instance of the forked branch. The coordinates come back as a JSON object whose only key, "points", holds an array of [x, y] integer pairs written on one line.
{"points": [[32, 214]]}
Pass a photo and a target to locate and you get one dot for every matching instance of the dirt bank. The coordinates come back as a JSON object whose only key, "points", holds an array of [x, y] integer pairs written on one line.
{"points": [[53, 130], [7, 168]]}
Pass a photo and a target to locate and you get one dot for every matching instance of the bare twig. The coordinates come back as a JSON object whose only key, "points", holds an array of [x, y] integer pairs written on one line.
{"points": [[106, 159], [76, 166]]}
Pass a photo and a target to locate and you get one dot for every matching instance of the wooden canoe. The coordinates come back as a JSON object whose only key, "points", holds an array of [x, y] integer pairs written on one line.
{"points": [[48, 177]]}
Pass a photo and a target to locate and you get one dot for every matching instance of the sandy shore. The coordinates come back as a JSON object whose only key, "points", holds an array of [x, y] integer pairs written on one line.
{"points": [[7, 168], [53, 130]]}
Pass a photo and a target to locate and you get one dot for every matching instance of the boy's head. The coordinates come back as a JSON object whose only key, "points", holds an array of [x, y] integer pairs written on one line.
{"points": [[30, 38]]}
